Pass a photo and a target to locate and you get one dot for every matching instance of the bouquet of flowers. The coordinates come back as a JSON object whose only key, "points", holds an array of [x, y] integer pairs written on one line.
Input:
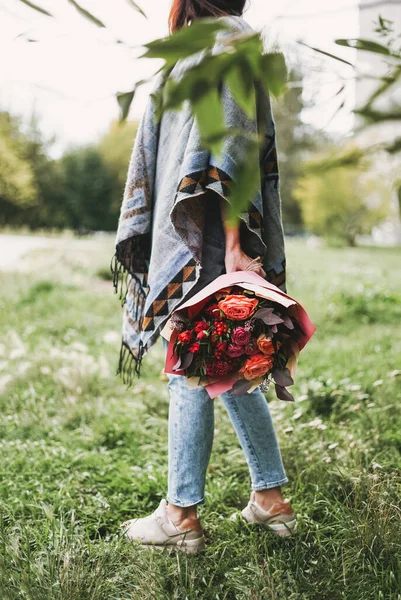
{"points": [[237, 333]]}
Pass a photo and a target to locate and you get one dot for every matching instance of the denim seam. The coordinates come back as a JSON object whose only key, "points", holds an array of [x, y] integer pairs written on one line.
{"points": [[266, 486], [185, 503]]}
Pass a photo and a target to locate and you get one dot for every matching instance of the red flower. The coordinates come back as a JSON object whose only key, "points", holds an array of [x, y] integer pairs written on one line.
{"points": [[185, 337], [213, 310], [218, 368], [194, 348], [251, 349], [200, 326], [222, 346], [201, 335]]}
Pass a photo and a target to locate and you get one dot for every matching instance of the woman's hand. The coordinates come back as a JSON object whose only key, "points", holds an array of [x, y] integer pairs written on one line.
{"points": [[237, 260]]}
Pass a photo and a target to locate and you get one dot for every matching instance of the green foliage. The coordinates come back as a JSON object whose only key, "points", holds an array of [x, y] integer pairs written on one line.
{"points": [[81, 453], [232, 59], [87, 190], [185, 42], [18, 189], [341, 201], [295, 139]]}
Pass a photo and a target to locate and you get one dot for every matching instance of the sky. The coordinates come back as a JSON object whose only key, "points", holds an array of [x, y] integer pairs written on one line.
{"points": [[71, 74]]}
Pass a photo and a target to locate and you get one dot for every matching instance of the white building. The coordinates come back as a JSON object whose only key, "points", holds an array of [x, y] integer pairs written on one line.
{"points": [[371, 66]]}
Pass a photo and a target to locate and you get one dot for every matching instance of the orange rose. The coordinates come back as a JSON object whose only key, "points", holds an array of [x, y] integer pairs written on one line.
{"points": [[265, 344], [256, 366], [238, 308]]}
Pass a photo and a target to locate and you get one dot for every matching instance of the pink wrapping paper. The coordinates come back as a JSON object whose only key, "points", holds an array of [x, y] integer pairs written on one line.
{"points": [[247, 280]]}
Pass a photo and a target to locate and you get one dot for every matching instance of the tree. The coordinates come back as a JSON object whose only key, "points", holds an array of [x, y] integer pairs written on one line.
{"points": [[294, 140], [342, 201], [115, 147], [18, 187], [87, 190]]}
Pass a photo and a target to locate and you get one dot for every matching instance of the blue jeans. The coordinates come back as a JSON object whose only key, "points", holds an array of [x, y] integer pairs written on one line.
{"points": [[190, 440], [191, 413]]}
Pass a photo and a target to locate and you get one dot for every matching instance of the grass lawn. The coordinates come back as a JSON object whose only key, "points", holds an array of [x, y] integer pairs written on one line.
{"points": [[80, 453]]}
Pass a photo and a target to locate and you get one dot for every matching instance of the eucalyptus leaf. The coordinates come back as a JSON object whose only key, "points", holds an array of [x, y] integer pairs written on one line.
{"points": [[283, 394]]}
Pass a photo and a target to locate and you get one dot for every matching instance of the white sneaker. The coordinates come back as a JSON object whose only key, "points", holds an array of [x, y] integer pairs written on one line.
{"points": [[279, 518], [158, 531]]}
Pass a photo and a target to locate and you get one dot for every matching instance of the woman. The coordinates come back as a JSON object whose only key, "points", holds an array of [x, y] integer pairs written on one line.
{"points": [[173, 239]]}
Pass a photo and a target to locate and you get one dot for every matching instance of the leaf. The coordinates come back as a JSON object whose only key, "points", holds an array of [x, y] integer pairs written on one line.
{"points": [[326, 54], [187, 360], [240, 81], [395, 146], [137, 8], [124, 100], [377, 116], [283, 394], [185, 42], [36, 7], [86, 14], [262, 312], [241, 386], [177, 365], [282, 377], [361, 44], [274, 72], [288, 322], [272, 319], [247, 181], [208, 111]]}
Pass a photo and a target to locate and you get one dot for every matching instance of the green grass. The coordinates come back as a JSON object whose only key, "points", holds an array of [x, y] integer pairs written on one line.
{"points": [[80, 453]]}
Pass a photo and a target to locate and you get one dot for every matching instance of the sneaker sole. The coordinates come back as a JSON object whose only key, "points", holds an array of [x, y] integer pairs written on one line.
{"points": [[282, 529], [187, 546]]}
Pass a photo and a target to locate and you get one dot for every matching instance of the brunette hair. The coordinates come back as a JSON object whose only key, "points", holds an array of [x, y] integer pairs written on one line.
{"points": [[184, 11]]}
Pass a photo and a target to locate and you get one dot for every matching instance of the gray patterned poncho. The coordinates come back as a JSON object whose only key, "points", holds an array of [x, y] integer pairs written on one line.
{"points": [[160, 230]]}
